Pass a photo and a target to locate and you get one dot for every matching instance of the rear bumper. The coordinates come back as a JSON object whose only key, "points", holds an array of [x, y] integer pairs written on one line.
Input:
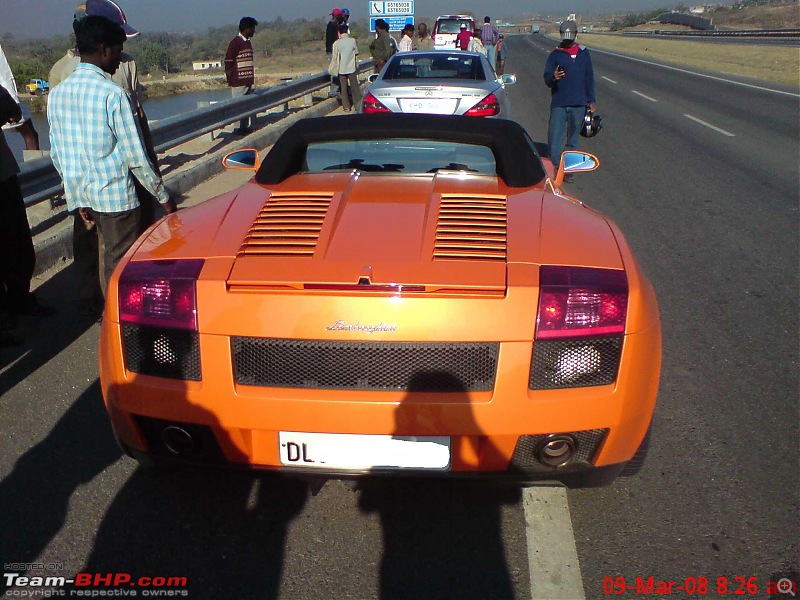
{"points": [[576, 476], [240, 424]]}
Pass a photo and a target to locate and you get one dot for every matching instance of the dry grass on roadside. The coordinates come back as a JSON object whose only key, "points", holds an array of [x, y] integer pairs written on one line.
{"points": [[772, 63]]}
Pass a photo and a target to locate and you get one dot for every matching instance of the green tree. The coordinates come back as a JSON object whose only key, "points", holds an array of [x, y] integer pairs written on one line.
{"points": [[151, 57]]}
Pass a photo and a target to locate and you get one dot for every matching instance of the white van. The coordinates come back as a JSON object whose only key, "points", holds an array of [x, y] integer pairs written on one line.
{"points": [[447, 27]]}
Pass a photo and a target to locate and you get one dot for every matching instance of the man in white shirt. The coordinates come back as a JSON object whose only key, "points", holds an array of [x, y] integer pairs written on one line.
{"points": [[406, 41], [345, 64]]}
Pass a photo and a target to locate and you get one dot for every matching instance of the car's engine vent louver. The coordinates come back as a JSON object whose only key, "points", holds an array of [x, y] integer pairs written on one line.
{"points": [[471, 228], [287, 225]]}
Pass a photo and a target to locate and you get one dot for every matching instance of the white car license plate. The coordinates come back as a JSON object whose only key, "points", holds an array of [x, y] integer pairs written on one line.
{"points": [[436, 106], [360, 452]]}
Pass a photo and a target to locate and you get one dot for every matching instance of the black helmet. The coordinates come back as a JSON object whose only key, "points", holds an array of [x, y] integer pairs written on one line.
{"points": [[568, 29], [592, 124]]}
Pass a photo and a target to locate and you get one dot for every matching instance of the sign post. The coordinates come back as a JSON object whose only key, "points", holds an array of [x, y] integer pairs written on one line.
{"points": [[396, 14]]}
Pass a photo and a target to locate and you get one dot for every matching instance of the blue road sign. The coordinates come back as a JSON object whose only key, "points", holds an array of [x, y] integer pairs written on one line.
{"points": [[395, 23]]}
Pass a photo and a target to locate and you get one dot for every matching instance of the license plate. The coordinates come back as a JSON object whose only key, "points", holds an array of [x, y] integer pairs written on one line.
{"points": [[362, 452], [436, 106]]}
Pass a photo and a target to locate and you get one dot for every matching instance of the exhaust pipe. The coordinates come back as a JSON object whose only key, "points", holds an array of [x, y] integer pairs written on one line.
{"points": [[556, 450], [177, 440]]}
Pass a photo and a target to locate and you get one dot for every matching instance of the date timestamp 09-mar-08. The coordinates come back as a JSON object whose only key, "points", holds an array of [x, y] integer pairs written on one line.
{"points": [[699, 586]]}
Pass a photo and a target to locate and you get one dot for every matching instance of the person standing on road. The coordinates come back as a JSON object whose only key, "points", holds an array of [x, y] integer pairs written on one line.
{"points": [[344, 64], [501, 52], [569, 74], [240, 68], [464, 37], [423, 41], [331, 35], [85, 254], [381, 47], [475, 44], [17, 255], [406, 43], [96, 146], [489, 37]]}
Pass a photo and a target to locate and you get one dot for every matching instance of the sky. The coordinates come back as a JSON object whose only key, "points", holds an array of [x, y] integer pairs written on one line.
{"points": [[43, 18]]}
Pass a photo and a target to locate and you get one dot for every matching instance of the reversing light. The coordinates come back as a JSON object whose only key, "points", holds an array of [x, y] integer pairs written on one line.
{"points": [[372, 105], [160, 293], [487, 107], [579, 301]]}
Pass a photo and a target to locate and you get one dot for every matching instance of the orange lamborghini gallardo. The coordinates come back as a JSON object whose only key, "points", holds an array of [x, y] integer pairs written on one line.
{"points": [[388, 295]]}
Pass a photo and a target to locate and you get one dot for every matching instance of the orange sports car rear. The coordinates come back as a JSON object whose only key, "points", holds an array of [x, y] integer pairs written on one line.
{"points": [[388, 296]]}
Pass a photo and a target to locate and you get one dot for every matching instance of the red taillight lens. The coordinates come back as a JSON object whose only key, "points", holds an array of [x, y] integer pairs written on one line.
{"points": [[578, 301], [487, 107], [372, 106], [160, 293]]}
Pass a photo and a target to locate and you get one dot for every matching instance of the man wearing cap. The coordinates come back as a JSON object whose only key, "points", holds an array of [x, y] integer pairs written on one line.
{"points": [[240, 68], [84, 236], [569, 74], [464, 37], [96, 146], [331, 35]]}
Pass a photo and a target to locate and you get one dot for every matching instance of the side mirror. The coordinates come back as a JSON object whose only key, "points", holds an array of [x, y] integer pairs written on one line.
{"points": [[243, 160], [508, 79], [575, 161], [372, 78]]}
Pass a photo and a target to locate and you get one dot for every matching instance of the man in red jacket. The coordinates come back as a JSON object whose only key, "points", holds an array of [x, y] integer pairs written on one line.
{"points": [[464, 37], [239, 67]]}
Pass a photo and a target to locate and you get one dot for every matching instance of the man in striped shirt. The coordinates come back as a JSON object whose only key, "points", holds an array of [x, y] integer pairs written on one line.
{"points": [[240, 68], [96, 146]]}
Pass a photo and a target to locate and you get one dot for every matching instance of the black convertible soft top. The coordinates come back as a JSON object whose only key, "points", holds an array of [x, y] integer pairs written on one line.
{"points": [[518, 163]]}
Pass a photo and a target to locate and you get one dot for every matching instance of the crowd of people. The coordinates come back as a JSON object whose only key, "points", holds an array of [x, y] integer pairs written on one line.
{"points": [[95, 110]]}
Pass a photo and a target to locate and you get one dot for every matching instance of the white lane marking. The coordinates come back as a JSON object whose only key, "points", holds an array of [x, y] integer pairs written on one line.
{"points": [[710, 126], [655, 64], [552, 557], [608, 79], [644, 96]]}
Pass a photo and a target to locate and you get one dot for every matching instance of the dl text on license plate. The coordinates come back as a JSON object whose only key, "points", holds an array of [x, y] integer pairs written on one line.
{"points": [[360, 452]]}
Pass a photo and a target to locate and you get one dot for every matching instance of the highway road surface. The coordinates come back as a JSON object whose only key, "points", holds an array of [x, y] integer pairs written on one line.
{"points": [[701, 173]]}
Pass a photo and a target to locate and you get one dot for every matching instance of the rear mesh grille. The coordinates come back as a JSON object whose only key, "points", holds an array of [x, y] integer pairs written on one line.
{"points": [[173, 353], [586, 445], [423, 367], [574, 363], [287, 225], [471, 228]]}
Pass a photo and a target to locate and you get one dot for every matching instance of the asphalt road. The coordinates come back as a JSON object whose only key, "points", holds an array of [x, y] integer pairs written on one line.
{"points": [[713, 219]]}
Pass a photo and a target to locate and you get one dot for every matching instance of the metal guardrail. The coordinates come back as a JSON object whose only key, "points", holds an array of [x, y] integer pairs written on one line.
{"points": [[774, 33], [40, 181]]}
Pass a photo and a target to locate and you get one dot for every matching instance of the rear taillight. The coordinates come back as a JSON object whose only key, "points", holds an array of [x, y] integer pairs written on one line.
{"points": [[160, 293], [579, 302], [372, 105], [487, 107], [580, 327]]}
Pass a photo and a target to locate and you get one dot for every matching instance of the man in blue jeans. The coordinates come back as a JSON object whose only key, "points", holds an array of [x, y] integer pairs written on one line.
{"points": [[569, 74]]}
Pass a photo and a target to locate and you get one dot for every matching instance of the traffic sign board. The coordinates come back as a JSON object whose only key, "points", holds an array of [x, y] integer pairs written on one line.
{"points": [[382, 8], [396, 23]]}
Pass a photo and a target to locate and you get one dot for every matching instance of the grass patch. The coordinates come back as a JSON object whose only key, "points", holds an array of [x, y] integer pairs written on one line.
{"points": [[779, 64]]}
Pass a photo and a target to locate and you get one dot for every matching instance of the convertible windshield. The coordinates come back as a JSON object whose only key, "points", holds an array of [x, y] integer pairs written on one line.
{"points": [[436, 65], [398, 156]]}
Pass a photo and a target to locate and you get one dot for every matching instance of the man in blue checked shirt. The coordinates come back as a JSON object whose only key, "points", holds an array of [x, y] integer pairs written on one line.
{"points": [[96, 146]]}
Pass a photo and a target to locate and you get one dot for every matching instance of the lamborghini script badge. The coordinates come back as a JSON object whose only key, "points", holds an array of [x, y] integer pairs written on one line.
{"points": [[342, 326]]}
